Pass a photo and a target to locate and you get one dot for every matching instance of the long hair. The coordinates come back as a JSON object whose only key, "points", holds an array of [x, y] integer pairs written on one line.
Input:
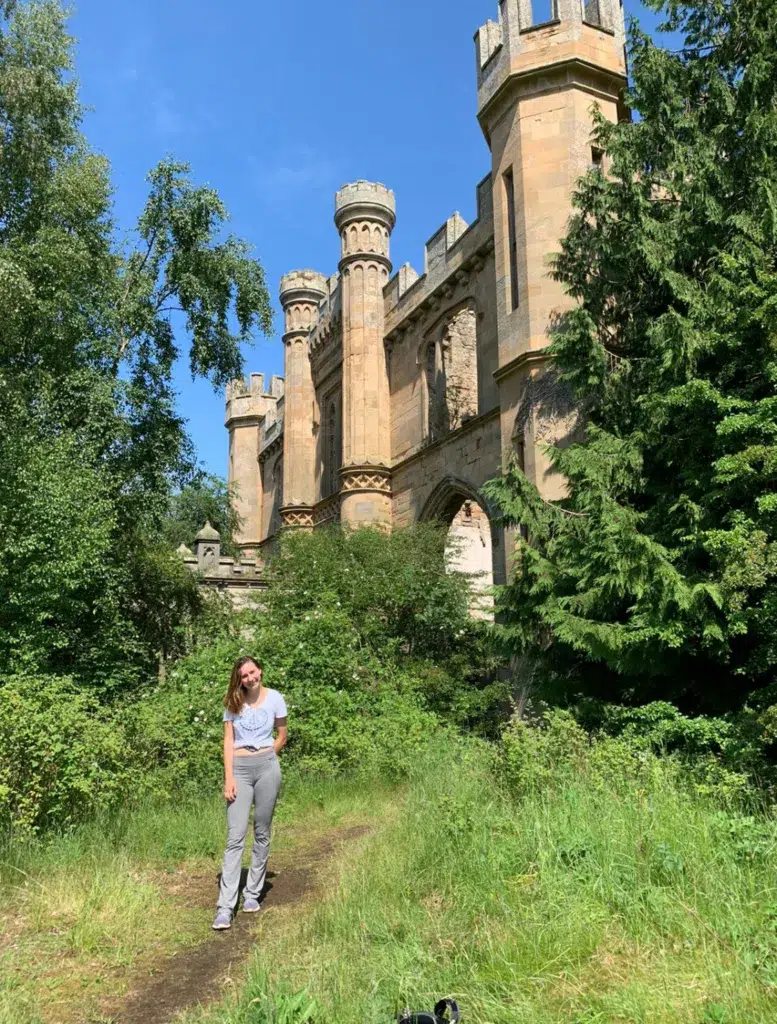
{"points": [[233, 701]]}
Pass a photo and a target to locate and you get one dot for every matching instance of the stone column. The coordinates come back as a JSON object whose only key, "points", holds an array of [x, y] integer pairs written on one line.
{"points": [[365, 216], [300, 293]]}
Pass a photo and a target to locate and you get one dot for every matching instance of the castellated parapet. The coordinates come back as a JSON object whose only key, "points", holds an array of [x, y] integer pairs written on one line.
{"points": [[249, 400], [379, 200], [588, 33], [300, 293]]}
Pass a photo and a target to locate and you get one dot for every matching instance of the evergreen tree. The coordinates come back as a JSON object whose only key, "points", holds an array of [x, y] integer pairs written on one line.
{"points": [[657, 575], [91, 445]]}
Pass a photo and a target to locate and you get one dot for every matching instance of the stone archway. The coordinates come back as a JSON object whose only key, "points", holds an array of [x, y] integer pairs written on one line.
{"points": [[469, 547]]}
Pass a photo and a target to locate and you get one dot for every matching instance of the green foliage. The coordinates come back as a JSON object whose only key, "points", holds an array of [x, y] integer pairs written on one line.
{"points": [[61, 759], [406, 611], [90, 442], [204, 499], [577, 902], [656, 577], [337, 646]]}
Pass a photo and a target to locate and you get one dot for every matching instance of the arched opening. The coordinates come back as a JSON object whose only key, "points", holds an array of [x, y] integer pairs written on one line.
{"points": [[448, 360], [469, 546]]}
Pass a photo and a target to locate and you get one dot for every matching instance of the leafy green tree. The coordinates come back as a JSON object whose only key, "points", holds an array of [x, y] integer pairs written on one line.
{"points": [[205, 498], [91, 444], [403, 605], [657, 575]]}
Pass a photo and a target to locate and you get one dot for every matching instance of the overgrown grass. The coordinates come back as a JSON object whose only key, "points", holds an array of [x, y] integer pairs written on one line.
{"points": [[82, 912], [578, 903]]}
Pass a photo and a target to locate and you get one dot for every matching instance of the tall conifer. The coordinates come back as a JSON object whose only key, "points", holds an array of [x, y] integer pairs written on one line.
{"points": [[657, 576]]}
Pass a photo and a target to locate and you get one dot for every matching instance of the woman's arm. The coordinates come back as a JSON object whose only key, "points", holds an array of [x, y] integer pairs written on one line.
{"points": [[230, 788], [283, 734]]}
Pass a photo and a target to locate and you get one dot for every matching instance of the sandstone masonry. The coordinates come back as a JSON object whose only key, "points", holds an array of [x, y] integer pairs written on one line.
{"points": [[405, 392]]}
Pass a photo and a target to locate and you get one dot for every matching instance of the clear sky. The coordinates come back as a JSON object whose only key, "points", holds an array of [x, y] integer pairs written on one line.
{"points": [[277, 105]]}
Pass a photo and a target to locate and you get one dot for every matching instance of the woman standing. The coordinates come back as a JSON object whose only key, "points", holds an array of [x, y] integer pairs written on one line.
{"points": [[252, 777]]}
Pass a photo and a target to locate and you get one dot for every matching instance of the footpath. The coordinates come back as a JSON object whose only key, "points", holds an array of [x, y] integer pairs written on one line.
{"points": [[200, 975]]}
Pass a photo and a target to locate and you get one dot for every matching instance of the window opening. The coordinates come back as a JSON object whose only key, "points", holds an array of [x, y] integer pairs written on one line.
{"points": [[592, 12], [333, 451], [512, 240], [544, 11]]}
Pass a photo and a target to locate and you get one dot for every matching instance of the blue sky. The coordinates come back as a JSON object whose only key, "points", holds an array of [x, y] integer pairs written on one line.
{"points": [[277, 105]]}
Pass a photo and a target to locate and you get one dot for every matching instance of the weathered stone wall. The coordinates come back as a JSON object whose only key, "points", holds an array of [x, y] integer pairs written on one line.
{"points": [[448, 471], [453, 297]]}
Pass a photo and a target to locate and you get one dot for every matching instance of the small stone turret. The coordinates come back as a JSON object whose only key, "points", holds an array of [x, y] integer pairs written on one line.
{"points": [[248, 409], [207, 548], [365, 214], [301, 292]]}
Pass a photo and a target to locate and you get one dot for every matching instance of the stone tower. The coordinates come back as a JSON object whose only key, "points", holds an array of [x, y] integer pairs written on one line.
{"points": [[301, 292], [248, 409], [538, 78], [365, 214]]}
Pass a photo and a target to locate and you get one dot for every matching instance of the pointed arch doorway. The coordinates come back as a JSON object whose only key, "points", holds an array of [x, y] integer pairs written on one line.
{"points": [[469, 546]]}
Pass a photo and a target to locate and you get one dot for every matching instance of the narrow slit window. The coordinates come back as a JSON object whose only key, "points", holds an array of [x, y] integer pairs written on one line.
{"points": [[512, 240], [597, 159]]}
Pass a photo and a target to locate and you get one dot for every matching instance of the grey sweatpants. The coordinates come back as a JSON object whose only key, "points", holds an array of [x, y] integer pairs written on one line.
{"points": [[258, 781]]}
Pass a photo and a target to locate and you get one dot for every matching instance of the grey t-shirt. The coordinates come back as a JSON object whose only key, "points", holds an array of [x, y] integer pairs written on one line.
{"points": [[253, 726]]}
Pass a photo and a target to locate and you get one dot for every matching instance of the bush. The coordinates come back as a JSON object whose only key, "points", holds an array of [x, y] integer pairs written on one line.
{"points": [[404, 610], [61, 757], [550, 753]]}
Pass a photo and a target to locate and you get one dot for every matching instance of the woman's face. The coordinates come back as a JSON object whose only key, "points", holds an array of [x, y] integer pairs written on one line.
{"points": [[250, 677]]}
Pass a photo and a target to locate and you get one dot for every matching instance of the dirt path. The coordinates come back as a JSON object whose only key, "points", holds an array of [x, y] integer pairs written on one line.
{"points": [[195, 976]]}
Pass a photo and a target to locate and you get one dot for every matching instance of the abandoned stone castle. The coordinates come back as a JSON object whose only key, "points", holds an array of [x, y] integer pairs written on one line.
{"points": [[403, 393]]}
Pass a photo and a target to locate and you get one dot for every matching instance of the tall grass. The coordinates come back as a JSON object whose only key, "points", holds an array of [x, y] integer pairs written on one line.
{"points": [[581, 902], [80, 912]]}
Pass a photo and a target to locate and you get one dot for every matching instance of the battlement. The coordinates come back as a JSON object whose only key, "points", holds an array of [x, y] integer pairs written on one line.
{"points": [[533, 35], [360, 199], [488, 40], [449, 247], [302, 285], [249, 401]]}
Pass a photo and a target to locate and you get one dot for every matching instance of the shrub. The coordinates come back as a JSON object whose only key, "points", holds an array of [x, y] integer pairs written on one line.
{"points": [[61, 758], [539, 757]]}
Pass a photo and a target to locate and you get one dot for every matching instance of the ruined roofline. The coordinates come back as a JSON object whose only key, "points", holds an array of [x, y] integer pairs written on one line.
{"points": [[452, 243], [586, 32], [248, 402]]}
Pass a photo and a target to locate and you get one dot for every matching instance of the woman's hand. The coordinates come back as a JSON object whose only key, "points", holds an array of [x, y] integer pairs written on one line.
{"points": [[230, 790]]}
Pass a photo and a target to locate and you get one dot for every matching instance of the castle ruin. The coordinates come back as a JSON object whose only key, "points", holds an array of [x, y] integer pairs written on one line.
{"points": [[404, 392]]}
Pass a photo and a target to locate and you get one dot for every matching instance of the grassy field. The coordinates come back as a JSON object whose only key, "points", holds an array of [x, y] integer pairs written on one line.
{"points": [[581, 905], [81, 915]]}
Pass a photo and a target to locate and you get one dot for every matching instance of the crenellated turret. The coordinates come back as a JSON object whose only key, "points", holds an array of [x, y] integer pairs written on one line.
{"points": [[248, 408], [301, 292], [539, 75], [365, 213]]}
